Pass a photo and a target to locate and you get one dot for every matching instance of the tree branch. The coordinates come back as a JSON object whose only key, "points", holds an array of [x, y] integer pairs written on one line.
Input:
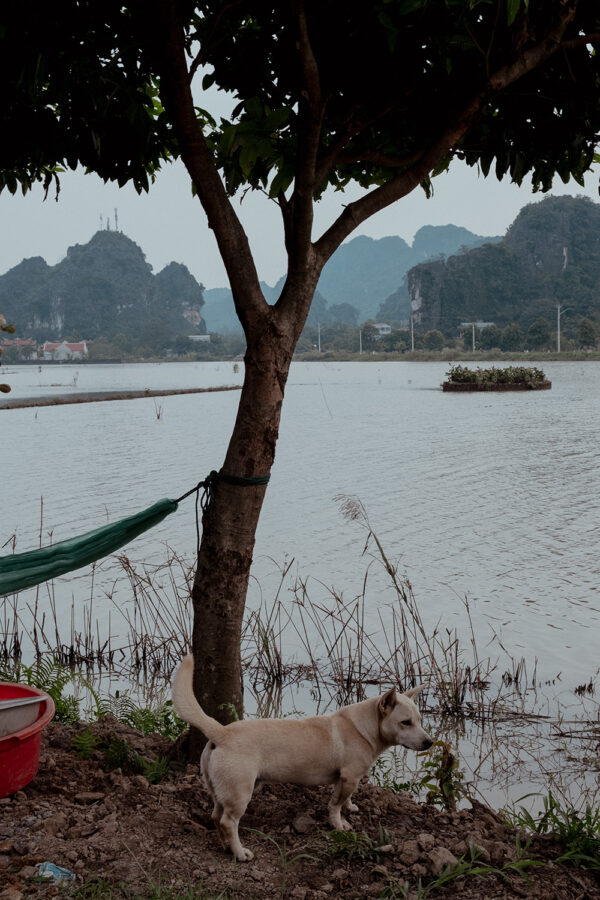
{"points": [[310, 114], [405, 182], [354, 126], [222, 219], [298, 213], [581, 41]]}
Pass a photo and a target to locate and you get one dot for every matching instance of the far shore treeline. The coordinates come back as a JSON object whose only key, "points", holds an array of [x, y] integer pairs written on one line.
{"points": [[452, 292]]}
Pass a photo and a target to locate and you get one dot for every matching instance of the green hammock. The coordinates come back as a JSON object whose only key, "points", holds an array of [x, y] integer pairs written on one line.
{"points": [[23, 570]]}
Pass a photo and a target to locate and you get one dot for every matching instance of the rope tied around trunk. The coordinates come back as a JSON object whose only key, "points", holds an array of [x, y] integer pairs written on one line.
{"points": [[205, 500]]}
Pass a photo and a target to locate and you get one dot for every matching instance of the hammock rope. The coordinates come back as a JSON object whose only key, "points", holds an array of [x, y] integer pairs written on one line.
{"points": [[23, 570]]}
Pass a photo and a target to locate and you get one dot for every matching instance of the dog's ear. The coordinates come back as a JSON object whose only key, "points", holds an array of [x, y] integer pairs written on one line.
{"points": [[411, 693], [387, 702]]}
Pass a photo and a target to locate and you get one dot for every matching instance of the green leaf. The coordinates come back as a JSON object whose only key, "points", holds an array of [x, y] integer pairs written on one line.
{"points": [[512, 8], [406, 7], [275, 118], [208, 80], [442, 166], [205, 117], [282, 181], [247, 159], [427, 187]]}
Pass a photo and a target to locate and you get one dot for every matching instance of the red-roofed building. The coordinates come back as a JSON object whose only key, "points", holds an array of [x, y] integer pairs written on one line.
{"points": [[61, 350]]}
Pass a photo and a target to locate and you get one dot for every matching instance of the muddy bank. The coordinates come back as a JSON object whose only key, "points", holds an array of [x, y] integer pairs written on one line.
{"points": [[102, 396], [108, 825]]}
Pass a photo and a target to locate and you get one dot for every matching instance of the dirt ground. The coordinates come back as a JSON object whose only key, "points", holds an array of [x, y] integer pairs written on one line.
{"points": [[106, 825]]}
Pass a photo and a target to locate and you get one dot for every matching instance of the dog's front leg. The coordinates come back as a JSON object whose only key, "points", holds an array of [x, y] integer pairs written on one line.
{"points": [[341, 801]]}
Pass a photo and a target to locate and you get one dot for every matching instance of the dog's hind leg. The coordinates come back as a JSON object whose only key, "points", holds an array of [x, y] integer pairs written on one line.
{"points": [[341, 801], [231, 793], [234, 807], [216, 816], [217, 812]]}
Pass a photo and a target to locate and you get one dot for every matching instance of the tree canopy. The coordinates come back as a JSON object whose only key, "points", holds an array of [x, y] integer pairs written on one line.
{"points": [[383, 93], [387, 82]]}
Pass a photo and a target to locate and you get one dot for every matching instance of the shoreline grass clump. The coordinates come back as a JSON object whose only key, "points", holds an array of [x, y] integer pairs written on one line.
{"points": [[576, 831]]}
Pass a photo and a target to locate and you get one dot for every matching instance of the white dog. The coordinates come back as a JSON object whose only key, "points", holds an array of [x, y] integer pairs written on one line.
{"points": [[335, 749]]}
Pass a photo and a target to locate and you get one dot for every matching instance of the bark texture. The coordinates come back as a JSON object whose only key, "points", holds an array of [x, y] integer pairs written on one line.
{"points": [[229, 527]]}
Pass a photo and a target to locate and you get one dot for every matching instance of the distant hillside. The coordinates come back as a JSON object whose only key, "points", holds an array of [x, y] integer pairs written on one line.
{"points": [[364, 279], [365, 272], [430, 242], [550, 255], [219, 310], [101, 289]]}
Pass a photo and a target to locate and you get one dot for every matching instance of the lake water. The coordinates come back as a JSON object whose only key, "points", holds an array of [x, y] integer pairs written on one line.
{"points": [[493, 497]]}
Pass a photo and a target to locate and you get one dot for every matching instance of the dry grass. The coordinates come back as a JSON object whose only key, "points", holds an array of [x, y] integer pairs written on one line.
{"points": [[337, 652]]}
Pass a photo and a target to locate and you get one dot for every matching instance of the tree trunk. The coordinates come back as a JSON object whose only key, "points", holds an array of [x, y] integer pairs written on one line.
{"points": [[229, 529]]}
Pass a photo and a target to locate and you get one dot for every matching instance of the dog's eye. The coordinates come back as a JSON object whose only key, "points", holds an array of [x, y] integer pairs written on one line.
{"points": [[406, 722]]}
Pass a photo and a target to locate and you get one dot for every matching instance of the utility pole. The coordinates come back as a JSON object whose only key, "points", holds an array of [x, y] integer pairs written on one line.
{"points": [[360, 341], [473, 327], [412, 334], [559, 311]]}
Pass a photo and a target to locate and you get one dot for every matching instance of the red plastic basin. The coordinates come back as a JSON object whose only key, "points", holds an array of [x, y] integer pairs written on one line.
{"points": [[20, 751]]}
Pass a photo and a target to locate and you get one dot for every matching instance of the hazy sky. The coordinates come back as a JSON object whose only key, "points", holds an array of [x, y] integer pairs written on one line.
{"points": [[169, 224]]}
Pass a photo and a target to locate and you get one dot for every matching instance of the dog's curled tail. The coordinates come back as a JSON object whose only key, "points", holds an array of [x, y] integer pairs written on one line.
{"points": [[184, 701]]}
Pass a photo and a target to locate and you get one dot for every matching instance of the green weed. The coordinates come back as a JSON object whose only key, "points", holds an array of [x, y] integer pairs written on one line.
{"points": [[101, 889], [577, 832], [465, 867], [446, 788], [50, 676], [85, 744], [384, 773], [119, 755], [285, 859], [353, 845], [160, 719], [155, 770], [441, 779]]}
